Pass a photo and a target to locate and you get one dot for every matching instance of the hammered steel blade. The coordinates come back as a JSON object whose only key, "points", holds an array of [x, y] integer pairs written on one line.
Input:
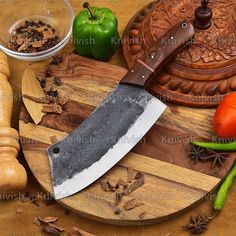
{"points": [[103, 139]]}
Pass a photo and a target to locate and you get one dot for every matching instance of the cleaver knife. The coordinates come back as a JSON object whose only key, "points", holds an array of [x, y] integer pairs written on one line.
{"points": [[118, 124]]}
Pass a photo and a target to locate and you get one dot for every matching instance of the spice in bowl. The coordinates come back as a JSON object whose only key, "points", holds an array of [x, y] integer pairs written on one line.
{"points": [[33, 36]]}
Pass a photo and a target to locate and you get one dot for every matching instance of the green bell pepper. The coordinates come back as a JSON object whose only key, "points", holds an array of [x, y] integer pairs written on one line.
{"points": [[95, 33]]}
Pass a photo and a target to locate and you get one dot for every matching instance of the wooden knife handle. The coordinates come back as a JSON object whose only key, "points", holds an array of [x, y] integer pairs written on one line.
{"points": [[165, 49], [12, 175]]}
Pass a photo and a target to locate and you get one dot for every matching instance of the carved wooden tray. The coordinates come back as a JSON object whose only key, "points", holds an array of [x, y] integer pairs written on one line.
{"points": [[205, 71]]}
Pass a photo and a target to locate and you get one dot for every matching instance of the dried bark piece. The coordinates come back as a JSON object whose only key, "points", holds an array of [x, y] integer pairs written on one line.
{"points": [[57, 81], [24, 46], [117, 211], [20, 41], [111, 187], [133, 186], [47, 87], [122, 183], [48, 34], [57, 227], [51, 98], [50, 219], [130, 174], [53, 139], [142, 215], [50, 229], [62, 100], [37, 44], [37, 221], [104, 186], [44, 100], [139, 175], [107, 186], [57, 109], [118, 197], [117, 186], [79, 232], [19, 210], [129, 205]]}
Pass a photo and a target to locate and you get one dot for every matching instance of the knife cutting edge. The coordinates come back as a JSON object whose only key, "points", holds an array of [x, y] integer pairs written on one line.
{"points": [[118, 124]]}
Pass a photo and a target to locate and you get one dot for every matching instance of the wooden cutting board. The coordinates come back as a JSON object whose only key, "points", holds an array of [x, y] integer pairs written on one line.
{"points": [[173, 182]]}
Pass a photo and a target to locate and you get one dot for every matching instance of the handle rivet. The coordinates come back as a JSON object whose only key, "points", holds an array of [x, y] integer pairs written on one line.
{"points": [[171, 37], [56, 150], [132, 71], [184, 25], [143, 76], [153, 55]]}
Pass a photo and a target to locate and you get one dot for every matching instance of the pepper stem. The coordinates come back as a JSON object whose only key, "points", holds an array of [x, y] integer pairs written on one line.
{"points": [[88, 7]]}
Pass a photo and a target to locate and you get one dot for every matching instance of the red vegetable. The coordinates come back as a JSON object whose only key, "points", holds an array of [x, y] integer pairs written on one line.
{"points": [[225, 117]]}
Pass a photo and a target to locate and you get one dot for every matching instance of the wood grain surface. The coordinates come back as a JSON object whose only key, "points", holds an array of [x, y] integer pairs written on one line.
{"points": [[173, 182], [22, 224]]}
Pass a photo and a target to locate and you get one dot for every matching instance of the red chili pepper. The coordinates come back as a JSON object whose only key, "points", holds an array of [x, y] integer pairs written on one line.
{"points": [[225, 117]]}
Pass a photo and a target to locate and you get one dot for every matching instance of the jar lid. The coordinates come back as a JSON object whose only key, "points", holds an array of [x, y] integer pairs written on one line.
{"points": [[202, 73]]}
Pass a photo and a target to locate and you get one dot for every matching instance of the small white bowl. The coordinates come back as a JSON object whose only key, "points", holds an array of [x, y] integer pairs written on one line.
{"points": [[58, 13]]}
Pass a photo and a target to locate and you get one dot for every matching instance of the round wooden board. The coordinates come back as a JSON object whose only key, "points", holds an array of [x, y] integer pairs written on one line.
{"points": [[173, 182]]}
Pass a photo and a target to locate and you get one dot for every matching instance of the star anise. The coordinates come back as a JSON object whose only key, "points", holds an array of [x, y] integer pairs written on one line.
{"points": [[197, 153], [217, 157], [198, 224], [53, 93]]}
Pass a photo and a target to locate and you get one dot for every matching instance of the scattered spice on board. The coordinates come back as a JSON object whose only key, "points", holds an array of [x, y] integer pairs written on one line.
{"points": [[139, 175], [217, 158], [122, 183], [142, 215], [79, 232], [56, 109], [57, 60], [53, 93], [36, 221], [117, 211], [48, 219], [44, 100], [57, 81], [137, 180], [118, 197], [50, 229], [107, 186], [48, 226], [62, 100], [197, 153], [198, 224], [33, 36], [104, 186], [19, 210], [133, 186], [131, 204], [130, 174], [203, 154], [48, 72]]}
